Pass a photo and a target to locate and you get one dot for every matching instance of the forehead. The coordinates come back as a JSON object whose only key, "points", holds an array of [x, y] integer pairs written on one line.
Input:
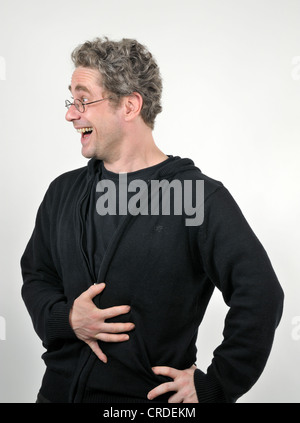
{"points": [[85, 79]]}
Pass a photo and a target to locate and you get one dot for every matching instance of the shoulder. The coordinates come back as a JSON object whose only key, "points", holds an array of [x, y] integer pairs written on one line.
{"points": [[63, 185], [68, 179], [210, 185], [69, 176]]}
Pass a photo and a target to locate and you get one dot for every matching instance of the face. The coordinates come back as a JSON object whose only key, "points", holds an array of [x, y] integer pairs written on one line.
{"points": [[100, 126]]}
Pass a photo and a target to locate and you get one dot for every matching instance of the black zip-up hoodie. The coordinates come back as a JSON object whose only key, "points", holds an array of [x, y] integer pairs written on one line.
{"points": [[166, 271]]}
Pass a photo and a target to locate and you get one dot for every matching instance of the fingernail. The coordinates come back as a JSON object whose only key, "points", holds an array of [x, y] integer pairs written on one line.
{"points": [[99, 283]]}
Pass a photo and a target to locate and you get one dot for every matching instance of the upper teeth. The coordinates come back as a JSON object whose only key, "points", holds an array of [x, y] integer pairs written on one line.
{"points": [[83, 130]]}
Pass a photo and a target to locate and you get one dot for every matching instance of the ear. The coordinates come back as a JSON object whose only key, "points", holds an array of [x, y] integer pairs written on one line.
{"points": [[133, 106]]}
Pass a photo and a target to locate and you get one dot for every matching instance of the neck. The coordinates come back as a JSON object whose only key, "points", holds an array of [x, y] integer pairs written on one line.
{"points": [[135, 153]]}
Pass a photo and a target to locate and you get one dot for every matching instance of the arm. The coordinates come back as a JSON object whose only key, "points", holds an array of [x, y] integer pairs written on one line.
{"points": [[55, 317], [238, 265], [42, 289]]}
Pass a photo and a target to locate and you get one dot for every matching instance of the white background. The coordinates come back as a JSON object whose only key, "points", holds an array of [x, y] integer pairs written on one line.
{"points": [[231, 103]]}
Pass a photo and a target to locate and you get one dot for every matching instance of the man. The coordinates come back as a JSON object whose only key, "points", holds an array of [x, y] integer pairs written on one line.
{"points": [[117, 293]]}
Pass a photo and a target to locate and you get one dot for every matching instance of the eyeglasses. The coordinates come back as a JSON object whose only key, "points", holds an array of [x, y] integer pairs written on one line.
{"points": [[80, 105]]}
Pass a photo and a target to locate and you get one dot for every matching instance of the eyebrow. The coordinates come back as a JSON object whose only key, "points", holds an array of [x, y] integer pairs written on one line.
{"points": [[80, 88]]}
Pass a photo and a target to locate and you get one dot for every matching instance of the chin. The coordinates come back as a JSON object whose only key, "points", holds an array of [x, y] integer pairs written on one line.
{"points": [[87, 154]]}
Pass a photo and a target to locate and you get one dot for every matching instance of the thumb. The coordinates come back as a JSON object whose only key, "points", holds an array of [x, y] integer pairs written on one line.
{"points": [[95, 289], [97, 350]]}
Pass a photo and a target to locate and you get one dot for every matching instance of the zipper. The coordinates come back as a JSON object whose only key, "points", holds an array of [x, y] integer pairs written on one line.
{"points": [[81, 201], [85, 354], [75, 394]]}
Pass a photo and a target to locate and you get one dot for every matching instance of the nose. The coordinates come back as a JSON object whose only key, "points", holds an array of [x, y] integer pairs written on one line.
{"points": [[72, 114]]}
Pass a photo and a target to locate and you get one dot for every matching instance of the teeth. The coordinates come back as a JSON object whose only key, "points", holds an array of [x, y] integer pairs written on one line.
{"points": [[83, 130]]}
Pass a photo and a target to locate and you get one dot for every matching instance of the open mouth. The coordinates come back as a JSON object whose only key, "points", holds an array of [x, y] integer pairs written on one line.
{"points": [[85, 132]]}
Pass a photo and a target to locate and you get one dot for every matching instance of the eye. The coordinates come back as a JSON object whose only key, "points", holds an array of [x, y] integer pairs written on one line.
{"points": [[84, 100]]}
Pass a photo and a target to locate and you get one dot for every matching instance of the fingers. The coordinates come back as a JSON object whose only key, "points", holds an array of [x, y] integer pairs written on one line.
{"points": [[164, 387], [117, 327], [93, 344], [97, 350], [182, 385], [89, 322], [166, 371], [94, 290], [108, 337], [109, 313], [161, 389], [115, 311], [101, 315]]}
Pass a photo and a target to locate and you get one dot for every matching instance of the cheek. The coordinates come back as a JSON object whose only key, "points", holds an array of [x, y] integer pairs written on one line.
{"points": [[108, 127], [108, 124]]}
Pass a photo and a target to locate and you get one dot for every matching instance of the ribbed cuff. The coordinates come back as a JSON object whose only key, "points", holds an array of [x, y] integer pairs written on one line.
{"points": [[208, 388], [58, 326]]}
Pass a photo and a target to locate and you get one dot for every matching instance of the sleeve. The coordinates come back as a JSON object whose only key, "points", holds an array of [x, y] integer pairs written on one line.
{"points": [[237, 264], [42, 289]]}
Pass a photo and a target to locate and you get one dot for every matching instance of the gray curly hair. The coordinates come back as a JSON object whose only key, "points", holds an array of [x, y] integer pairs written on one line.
{"points": [[126, 66]]}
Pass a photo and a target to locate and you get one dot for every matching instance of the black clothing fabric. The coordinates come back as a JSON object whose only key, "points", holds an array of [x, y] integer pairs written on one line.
{"points": [[166, 271], [41, 400], [100, 228]]}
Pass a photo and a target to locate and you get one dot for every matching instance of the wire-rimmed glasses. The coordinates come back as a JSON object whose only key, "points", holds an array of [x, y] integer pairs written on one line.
{"points": [[80, 105]]}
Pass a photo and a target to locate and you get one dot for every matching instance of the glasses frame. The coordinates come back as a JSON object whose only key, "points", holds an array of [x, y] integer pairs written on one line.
{"points": [[78, 103]]}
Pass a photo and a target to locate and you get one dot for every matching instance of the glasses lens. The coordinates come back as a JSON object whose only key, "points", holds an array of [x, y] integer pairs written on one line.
{"points": [[79, 106], [67, 104]]}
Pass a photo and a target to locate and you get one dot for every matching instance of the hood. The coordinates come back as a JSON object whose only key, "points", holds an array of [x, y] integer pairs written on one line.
{"points": [[173, 166]]}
